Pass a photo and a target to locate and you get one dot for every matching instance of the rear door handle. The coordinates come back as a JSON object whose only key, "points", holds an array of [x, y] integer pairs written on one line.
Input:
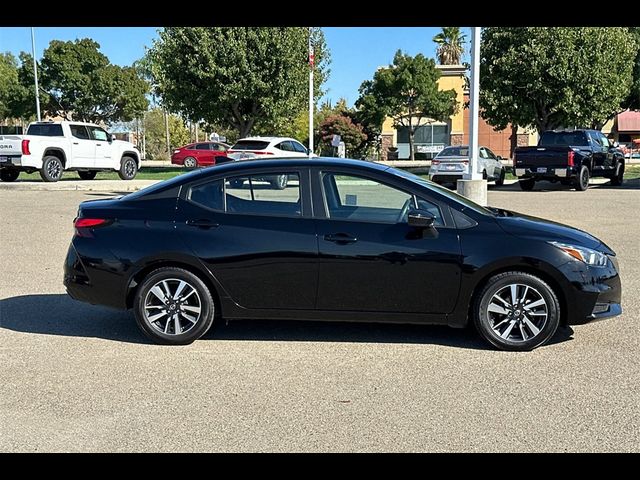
{"points": [[202, 223], [75, 143], [98, 144], [340, 238]]}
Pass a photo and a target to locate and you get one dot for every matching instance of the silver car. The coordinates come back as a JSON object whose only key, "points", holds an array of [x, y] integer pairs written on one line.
{"points": [[453, 162]]}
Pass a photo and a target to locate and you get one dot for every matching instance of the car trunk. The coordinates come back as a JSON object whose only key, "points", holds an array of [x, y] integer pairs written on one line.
{"points": [[10, 145], [452, 164]]}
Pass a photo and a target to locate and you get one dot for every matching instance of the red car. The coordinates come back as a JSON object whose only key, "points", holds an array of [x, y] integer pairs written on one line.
{"points": [[200, 154]]}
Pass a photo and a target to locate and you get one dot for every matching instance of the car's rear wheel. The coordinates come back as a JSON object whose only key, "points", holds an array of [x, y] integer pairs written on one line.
{"points": [[9, 175], [128, 168], [173, 306], [582, 182], [52, 168], [527, 184], [516, 311], [87, 175], [190, 162], [618, 178], [500, 178], [279, 182]]}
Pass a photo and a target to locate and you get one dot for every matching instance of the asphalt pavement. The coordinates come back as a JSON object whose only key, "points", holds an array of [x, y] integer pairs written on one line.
{"points": [[77, 377]]}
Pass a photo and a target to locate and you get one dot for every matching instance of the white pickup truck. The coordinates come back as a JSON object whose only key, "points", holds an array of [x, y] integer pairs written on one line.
{"points": [[53, 147]]}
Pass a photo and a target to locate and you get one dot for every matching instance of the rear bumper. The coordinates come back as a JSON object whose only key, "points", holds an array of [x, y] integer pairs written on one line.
{"points": [[546, 173], [445, 177], [10, 161]]}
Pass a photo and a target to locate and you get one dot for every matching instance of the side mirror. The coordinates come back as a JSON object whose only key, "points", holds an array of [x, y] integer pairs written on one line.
{"points": [[111, 138], [616, 144], [420, 219], [500, 158]]}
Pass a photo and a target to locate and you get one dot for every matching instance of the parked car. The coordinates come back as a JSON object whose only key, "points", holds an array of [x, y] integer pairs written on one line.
{"points": [[281, 147], [259, 147], [201, 154], [571, 157], [347, 240], [451, 163], [53, 147]]}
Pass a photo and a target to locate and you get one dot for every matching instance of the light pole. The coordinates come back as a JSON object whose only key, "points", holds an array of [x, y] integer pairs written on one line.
{"points": [[472, 185], [35, 72], [311, 64]]}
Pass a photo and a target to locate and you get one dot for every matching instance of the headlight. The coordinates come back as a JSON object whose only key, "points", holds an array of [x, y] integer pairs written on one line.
{"points": [[584, 254]]}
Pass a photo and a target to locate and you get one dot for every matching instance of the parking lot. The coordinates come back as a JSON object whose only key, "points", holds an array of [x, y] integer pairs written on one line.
{"points": [[78, 377]]}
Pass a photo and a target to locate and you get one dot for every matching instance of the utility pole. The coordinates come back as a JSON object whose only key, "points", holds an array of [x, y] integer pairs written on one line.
{"points": [[311, 65], [35, 72], [166, 131], [472, 185]]}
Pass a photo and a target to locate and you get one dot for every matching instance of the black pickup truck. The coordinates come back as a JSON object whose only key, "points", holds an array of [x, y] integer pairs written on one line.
{"points": [[571, 157]]}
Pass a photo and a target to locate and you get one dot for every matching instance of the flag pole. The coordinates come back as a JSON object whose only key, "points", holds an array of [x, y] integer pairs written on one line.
{"points": [[35, 72], [311, 64]]}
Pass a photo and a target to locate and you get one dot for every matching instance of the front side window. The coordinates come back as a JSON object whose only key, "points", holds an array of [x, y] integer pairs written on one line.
{"points": [[298, 147], [273, 194], [350, 197], [79, 131], [98, 134]]}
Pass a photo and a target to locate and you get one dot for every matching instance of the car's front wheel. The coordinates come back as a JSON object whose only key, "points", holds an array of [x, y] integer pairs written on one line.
{"points": [[173, 306], [618, 178], [582, 182], [128, 168], [500, 178], [516, 311]]}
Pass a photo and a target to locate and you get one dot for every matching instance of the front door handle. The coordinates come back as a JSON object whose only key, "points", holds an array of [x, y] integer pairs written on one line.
{"points": [[340, 238], [75, 143], [98, 144], [202, 223]]}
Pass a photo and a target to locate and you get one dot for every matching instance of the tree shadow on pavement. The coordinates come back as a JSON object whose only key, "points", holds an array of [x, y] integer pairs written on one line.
{"points": [[58, 314]]}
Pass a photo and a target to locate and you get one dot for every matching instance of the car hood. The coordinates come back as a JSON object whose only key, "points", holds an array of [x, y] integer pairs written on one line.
{"points": [[124, 144], [522, 225]]}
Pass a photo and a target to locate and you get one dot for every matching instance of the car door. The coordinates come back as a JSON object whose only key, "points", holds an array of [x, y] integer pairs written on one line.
{"points": [[259, 242], [204, 154], [102, 147], [483, 164], [370, 259], [609, 152], [599, 152], [82, 147], [493, 164]]}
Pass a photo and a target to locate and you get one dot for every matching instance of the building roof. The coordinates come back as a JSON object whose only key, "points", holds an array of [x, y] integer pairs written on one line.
{"points": [[629, 121]]}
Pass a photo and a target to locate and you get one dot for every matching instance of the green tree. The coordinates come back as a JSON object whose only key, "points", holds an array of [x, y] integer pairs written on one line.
{"points": [[238, 77], [155, 138], [407, 91], [633, 100], [551, 77], [17, 96], [8, 82], [82, 83], [450, 45], [351, 133]]}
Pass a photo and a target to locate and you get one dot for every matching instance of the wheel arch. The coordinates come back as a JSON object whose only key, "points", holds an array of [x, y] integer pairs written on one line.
{"points": [[538, 269], [137, 278], [56, 152], [130, 153]]}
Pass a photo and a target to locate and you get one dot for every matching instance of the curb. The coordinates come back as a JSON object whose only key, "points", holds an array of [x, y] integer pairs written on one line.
{"points": [[86, 186]]}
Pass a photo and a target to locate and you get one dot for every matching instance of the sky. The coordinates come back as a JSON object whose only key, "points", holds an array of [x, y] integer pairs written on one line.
{"points": [[356, 52]]}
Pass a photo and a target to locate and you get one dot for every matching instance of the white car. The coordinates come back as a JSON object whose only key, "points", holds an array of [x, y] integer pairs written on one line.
{"points": [[255, 147], [452, 163], [53, 147]]}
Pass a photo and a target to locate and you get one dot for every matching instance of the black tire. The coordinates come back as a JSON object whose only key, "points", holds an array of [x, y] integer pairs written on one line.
{"points": [[52, 169], [515, 340], [128, 168], [279, 182], [236, 183], [500, 179], [582, 182], [195, 331], [527, 184], [87, 174], [190, 162], [618, 178], [484, 175], [9, 175]]}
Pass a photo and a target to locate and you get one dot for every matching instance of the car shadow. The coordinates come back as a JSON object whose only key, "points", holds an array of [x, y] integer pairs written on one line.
{"points": [[544, 186], [59, 314]]}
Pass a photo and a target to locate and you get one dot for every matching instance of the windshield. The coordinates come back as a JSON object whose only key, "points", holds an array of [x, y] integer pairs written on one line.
{"points": [[563, 138], [463, 201], [454, 152]]}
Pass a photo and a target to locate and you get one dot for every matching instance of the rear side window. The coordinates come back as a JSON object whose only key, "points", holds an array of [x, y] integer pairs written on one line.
{"points": [[45, 130], [252, 195], [202, 146], [285, 146], [250, 145], [563, 139], [79, 131]]}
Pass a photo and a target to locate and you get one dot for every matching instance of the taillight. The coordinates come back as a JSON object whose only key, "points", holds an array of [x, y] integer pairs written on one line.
{"points": [[25, 147], [262, 153], [435, 162], [570, 157], [82, 225]]}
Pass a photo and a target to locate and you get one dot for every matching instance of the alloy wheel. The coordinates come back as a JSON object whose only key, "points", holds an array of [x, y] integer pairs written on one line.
{"points": [[54, 169], [517, 313], [172, 306]]}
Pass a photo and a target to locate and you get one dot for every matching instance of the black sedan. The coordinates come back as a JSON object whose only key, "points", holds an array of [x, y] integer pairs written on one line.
{"points": [[346, 240]]}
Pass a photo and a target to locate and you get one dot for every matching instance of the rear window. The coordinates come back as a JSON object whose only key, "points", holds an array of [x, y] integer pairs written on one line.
{"points": [[250, 145], [454, 152], [45, 130], [563, 138]]}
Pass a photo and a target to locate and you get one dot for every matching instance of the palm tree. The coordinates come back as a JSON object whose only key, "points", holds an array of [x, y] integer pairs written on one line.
{"points": [[450, 45]]}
